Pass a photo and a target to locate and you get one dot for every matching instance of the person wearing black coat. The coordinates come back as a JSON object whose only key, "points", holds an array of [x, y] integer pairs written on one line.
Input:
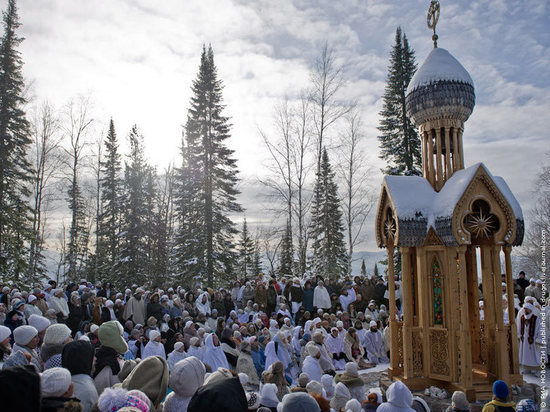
{"points": [[222, 395], [154, 308], [77, 314], [20, 389]]}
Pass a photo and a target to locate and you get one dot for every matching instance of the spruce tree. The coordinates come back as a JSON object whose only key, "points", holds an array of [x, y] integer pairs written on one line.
{"points": [[287, 253], [15, 169], [111, 193], [399, 141], [375, 273], [330, 258], [212, 172], [246, 252], [363, 268], [133, 250]]}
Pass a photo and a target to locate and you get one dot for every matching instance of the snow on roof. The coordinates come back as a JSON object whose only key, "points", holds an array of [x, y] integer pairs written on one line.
{"points": [[414, 198], [439, 65]]}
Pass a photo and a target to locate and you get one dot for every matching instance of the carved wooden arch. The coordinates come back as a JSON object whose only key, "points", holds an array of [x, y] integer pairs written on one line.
{"points": [[385, 206], [483, 188]]}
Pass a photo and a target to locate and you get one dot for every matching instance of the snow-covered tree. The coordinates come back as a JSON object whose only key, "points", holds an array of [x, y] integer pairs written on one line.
{"points": [[330, 258], [399, 141], [286, 265], [246, 252]]}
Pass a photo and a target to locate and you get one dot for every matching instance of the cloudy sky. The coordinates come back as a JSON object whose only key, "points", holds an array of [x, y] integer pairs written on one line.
{"points": [[137, 58]]}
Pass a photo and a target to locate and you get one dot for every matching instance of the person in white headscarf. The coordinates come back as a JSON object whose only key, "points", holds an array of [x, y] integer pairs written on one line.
{"points": [[328, 386], [335, 345], [195, 348], [154, 347], [203, 304], [321, 298], [530, 340], [270, 355], [176, 355], [399, 399], [59, 304], [340, 398], [311, 364], [213, 353], [268, 397]]}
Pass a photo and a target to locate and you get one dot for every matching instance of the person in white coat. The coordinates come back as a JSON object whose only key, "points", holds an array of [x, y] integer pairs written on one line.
{"points": [[311, 364], [195, 348], [203, 304], [321, 298], [335, 345], [176, 355], [530, 340], [374, 343], [154, 346], [213, 353]]}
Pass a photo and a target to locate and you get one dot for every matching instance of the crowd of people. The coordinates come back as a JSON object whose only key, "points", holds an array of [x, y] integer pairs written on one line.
{"points": [[264, 344]]}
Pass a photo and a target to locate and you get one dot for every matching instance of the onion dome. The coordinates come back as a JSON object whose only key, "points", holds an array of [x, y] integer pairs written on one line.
{"points": [[440, 89]]}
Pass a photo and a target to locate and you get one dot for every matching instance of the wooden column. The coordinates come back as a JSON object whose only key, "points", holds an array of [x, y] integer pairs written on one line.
{"points": [[431, 168], [423, 307], [501, 335], [424, 140], [460, 150], [465, 342], [394, 361], [473, 301], [448, 170], [490, 310], [438, 152], [407, 297], [455, 151], [510, 293]]}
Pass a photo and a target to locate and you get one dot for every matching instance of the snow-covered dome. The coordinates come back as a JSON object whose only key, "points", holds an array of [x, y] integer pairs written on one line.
{"points": [[440, 89]]}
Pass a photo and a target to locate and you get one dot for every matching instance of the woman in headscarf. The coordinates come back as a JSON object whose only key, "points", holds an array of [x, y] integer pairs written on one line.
{"points": [[189, 305], [260, 296], [228, 304], [78, 357], [77, 314], [269, 398], [5, 347], [340, 398], [328, 386], [185, 378], [399, 399], [176, 355], [189, 332], [213, 353], [353, 349], [154, 308], [245, 364], [277, 376], [229, 348], [154, 347], [202, 303]]}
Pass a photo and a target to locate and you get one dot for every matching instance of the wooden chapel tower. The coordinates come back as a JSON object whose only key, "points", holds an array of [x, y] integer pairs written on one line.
{"points": [[447, 224]]}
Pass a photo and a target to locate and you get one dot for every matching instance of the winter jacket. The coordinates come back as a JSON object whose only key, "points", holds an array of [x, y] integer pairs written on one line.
{"points": [[499, 406]]}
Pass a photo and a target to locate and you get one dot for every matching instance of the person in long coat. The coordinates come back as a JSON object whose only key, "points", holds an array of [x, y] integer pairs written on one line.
{"points": [[245, 364], [260, 296], [135, 308]]}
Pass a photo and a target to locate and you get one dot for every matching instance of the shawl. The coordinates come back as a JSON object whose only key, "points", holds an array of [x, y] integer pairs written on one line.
{"points": [[213, 355], [106, 357]]}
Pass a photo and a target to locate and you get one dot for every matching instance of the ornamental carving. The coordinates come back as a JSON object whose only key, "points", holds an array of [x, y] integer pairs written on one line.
{"points": [[482, 187], [418, 367], [439, 344]]}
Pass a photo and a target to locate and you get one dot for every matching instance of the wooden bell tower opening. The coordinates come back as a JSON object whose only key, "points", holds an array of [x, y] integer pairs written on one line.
{"points": [[451, 227]]}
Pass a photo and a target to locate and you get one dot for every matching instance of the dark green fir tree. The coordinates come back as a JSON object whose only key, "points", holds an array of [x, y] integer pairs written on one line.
{"points": [[363, 268], [209, 194], [15, 169], [246, 252], [286, 261], [399, 141], [330, 257]]}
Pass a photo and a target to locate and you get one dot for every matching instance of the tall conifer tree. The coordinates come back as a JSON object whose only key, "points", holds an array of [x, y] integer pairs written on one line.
{"points": [[111, 192], [15, 169], [330, 258], [399, 141], [246, 252], [287, 253], [209, 195]]}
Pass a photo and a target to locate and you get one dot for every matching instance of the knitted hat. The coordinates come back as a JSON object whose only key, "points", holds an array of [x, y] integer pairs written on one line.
{"points": [[187, 376], [352, 368], [114, 399], [253, 401], [110, 336], [178, 345], [314, 387], [24, 334], [39, 322], [373, 324], [55, 382], [500, 389], [32, 298], [154, 334], [459, 401], [299, 402], [193, 341], [339, 324], [57, 334], [149, 376], [94, 328], [5, 333]]}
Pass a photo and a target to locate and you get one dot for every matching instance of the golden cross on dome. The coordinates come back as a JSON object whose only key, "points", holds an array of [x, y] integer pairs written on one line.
{"points": [[433, 17]]}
